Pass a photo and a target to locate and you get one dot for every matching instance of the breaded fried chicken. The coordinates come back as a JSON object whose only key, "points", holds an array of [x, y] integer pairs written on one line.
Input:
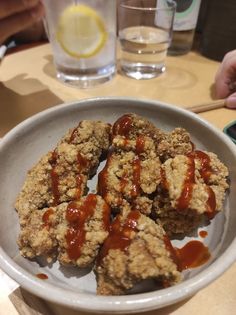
{"points": [[72, 232], [136, 249], [61, 175], [132, 173], [193, 187]]}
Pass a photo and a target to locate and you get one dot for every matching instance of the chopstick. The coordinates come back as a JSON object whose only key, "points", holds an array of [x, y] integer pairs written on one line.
{"points": [[3, 50], [4, 47], [207, 107]]}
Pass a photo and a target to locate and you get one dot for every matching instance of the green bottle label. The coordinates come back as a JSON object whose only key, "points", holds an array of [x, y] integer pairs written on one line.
{"points": [[186, 14]]}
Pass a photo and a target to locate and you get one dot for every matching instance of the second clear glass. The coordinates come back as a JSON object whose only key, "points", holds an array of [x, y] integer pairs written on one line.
{"points": [[145, 30]]}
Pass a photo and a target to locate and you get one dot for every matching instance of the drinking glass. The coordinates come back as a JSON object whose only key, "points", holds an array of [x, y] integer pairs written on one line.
{"points": [[90, 68], [145, 30]]}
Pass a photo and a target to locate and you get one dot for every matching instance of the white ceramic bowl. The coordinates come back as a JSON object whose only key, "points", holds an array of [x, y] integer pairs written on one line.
{"points": [[22, 147]]}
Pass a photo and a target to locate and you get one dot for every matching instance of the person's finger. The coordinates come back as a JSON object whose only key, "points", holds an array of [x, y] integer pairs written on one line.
{"points": [[20, 21], [11, 7], [225, 75], [231, 101]]}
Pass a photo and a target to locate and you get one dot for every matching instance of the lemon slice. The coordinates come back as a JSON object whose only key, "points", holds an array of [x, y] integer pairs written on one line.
{"points": [[81, 31]]}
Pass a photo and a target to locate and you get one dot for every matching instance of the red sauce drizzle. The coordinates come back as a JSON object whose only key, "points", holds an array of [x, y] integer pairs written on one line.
{"points": [[77, 216], [163, 179], [123, 183], [171, 250], [203, 234], [122, 126], [136, 165], [126, 142], [82, 164], [205, 170], [106, 216], [205, 173], [120, 233], [186, 194], [82, 161], [46, 216], [54, 179], [79, 182], [192, 255], [139, 145], [42, 276], [74, 134]]}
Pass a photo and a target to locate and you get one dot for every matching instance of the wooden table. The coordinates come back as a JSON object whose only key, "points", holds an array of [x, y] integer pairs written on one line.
{"points": [[28, 86]]}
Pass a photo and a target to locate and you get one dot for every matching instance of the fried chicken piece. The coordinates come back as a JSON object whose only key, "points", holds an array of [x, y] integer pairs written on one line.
{"points": [[72, 232], [61, 175], [136, 249], [84, 232], [168, 144], [36, 192], [174, 143], [38, 235], [193, 188], [132, 126], [131, 173]]}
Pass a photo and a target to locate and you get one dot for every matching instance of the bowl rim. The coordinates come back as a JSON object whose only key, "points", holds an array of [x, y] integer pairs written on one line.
{"points": [[124, 303]]}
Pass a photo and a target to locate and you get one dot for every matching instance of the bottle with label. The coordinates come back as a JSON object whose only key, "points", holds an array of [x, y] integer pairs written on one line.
{"points": [[184, 26]]}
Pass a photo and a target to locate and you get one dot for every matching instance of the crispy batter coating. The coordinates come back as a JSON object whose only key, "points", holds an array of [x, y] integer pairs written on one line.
{"points": [[137, 251], [62, 175], [132, 126], [132, 173], [167, 144], [193, 187], [72, 232], [96, 216], [36, 192], [174, 143], [142, 147]]}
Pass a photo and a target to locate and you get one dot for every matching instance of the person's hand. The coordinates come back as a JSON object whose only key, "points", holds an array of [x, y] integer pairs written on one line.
{"points": [[225, 80], [17, 15]]}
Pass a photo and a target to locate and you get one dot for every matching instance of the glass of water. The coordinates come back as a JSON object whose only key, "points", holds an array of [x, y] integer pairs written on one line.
{"points": [[145, 30], [82, 34]]}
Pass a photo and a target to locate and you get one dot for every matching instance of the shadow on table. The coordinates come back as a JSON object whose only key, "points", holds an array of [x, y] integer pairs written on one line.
{"points": [[49, 67], [17, 103], [29, 304]]}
